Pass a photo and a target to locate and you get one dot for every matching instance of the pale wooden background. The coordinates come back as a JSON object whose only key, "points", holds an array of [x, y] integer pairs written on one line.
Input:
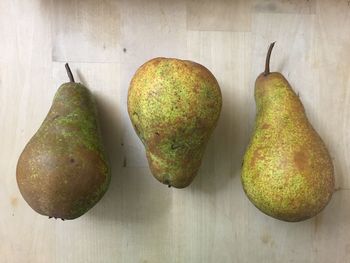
{"points": [[139, 219]]}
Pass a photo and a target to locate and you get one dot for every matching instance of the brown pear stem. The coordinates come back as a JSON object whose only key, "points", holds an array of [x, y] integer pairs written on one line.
{"points": [[268, 56], [69, 73]]}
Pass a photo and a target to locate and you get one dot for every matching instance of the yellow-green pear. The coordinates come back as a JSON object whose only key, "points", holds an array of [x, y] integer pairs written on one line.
{"points": [[174, 106], [287, 171]]}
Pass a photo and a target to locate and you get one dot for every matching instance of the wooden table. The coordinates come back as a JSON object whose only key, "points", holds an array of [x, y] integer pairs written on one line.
{"points": [[139, 219]]}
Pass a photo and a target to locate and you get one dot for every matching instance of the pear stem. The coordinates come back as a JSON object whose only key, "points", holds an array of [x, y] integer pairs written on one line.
{"points": [[268, 56], [69, 73]]}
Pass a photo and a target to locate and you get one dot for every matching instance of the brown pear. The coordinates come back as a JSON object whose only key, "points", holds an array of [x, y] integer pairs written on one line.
{"points": [[63, 170]]}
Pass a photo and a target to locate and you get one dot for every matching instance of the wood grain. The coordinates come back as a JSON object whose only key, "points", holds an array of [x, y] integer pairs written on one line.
{"points": [[85, 31], [285, 6], [139, 219], [221, 15]]}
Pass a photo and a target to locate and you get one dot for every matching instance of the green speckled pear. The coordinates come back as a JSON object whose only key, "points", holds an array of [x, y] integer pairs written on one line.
{"points": [[287, 171], [174, 106], [63, 170]]}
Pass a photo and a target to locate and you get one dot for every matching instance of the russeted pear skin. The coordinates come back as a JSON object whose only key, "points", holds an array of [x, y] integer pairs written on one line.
{"points": [[287, 171], [174, 106], [63, 170]]}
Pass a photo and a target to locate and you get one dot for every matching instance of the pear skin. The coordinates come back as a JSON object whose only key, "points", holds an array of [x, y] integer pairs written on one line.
{"points": [[174, 106], [287, 171], [63, 170]]}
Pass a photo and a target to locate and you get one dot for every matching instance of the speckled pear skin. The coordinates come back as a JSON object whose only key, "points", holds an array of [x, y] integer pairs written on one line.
{"points": [[287, 171], [174, 106], [63, 170]]}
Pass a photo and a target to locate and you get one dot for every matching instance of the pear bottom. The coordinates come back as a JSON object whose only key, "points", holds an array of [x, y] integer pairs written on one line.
{"points": [[297, 214], [292, 186], [177, 173]]}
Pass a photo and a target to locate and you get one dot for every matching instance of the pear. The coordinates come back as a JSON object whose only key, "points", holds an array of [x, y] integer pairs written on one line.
{"points": [[63, 170], [174, 106], [287, 171]]}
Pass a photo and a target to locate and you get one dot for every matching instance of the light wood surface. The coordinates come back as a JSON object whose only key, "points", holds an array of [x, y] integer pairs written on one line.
{"points": [[139, 219]]}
